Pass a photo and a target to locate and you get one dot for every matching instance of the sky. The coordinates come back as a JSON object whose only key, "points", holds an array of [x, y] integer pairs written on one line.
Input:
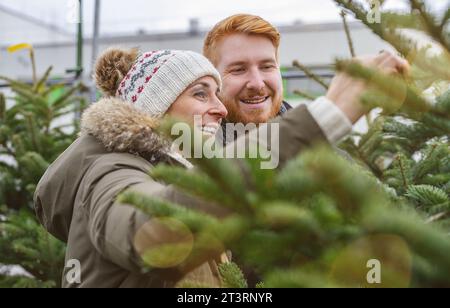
{"points": [[174, 15]]}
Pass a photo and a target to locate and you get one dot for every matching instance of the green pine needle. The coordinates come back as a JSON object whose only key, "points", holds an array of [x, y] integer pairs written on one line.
{"points": [[232, 276]]}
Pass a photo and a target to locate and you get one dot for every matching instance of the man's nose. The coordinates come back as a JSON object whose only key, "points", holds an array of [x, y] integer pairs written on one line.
{"points": [[255, 81]]}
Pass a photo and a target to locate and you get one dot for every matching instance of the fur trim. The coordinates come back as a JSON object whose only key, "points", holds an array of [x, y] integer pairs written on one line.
{"points": [[122, 128]]}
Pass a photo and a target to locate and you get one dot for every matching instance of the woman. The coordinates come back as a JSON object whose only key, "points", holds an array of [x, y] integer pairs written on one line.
{"points": [[116, 149], [75, 199]]}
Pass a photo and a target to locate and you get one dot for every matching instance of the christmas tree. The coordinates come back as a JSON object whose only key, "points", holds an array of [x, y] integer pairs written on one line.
{"points": [[380, 221], [407, 147], [30, 139]]}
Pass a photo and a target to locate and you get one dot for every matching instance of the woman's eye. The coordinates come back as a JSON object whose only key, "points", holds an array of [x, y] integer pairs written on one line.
{"points": [[200, 94]]}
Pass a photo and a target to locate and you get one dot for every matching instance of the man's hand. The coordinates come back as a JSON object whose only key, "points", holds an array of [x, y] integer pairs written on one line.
{"points": [[346, 91]]}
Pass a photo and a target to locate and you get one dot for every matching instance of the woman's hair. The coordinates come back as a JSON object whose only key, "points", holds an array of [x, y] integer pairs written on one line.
{"points": [[236, 24], [112, 66]]}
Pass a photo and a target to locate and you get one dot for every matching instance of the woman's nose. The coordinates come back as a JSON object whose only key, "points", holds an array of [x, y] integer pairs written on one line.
{"points": [[219, 108]]}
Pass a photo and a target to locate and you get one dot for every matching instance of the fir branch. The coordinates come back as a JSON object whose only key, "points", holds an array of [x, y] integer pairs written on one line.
{"points": [[52, 88], [198, 184], [401, 44], [33, 131], [33, 66], [304, 94], [387, 31], [155, 207], [60, 102], [424, 239], [430, 24], [2, 107], [43, 80], [437, 217], [232, 276], [222, 170], [428, 195], [426, 164], [402, 171], [395, 87], [279, 215], [310, 74], [17, 84], [361, 14], [347, 34], [445, 19]]}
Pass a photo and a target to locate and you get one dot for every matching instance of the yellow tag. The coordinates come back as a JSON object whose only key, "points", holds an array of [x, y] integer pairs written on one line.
{"points": [[18, 47]]}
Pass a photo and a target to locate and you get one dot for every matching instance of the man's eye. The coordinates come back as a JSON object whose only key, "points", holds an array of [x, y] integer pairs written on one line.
{"points": [[238, 70], [268, 67]]}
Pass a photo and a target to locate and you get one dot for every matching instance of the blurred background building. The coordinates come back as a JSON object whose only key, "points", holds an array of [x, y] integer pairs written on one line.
{"points": [[311, 32]]}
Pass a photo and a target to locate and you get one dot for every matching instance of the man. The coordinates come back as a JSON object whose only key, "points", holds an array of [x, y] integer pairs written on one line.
{"points": [[244, 49]]}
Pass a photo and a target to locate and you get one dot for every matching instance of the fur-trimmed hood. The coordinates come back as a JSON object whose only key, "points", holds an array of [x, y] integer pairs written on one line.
{"points": [[122, 128]]}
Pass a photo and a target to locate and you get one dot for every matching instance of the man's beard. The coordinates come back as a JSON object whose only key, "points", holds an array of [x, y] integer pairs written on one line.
{"points": [[236, 115]]}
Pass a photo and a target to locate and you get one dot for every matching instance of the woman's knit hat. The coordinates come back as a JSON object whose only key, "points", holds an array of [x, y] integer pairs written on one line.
{"points": [[153, 80]]}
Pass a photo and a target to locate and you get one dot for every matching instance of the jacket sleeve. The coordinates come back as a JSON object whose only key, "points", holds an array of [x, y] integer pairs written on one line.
{"points": [[112, 226], [288, 135]]}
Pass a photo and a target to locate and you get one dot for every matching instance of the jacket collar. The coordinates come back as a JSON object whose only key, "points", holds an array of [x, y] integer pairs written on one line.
{"points": [[121, 127]]}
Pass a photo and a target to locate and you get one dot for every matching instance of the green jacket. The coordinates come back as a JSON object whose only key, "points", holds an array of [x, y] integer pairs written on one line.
{"points": [[75, 199]]}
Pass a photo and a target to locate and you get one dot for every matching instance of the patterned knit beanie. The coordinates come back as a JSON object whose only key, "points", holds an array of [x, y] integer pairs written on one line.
{"points": [[153, 80]]}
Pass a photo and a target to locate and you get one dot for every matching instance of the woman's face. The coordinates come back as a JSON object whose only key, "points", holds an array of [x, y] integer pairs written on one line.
{"points": [[200, 99]]}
